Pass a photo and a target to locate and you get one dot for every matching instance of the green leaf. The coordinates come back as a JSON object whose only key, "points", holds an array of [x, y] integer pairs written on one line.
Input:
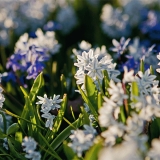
{"points": [[37, 85], [2, 135], [153, 129], [25, 93], [122, 114], [12, 128], [18, 138], [29, 111], [85, 116], [14, 152], [141, 68], [63, 84], [92, 154], [105, 82], [151, 70], [66, 132], [60, 115], [68, 151], [53, 153], [86, 99], [135, 91], [100, 100], [91, 91], [24, 114]]}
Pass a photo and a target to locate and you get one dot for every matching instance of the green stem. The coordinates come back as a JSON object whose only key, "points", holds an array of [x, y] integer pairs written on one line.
{"points": [[100, 86], [18, 117]]}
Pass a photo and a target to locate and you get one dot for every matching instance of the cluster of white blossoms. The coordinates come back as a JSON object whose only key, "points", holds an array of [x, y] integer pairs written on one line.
{"points": [[114, 21], [49, 104], [2, 99], [132, 133], [93, 63], [46, 41], [18, 15], [29, 145], [146, 82], [82, 140]]}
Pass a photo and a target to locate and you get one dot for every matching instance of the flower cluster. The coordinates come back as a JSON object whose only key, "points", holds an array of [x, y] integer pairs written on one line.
{"points": [[49, 104], [93, 63], [114, 21], [82, 140], [32, 53], [29, 145], [145, 108], [19, 15]]}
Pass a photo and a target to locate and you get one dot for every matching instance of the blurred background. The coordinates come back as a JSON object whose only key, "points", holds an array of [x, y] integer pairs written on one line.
{"points": [[57, 30]]}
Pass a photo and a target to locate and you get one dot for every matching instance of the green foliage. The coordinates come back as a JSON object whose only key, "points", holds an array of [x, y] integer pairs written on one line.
{"points": [[141, 67], [92, 154], [86, 99], [13, 128], [91, 91]]}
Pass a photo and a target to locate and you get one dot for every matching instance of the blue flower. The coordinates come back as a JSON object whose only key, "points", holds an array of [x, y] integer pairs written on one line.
{"points": [[131, 64], [151, 25], [120, 47], [34, 70]]}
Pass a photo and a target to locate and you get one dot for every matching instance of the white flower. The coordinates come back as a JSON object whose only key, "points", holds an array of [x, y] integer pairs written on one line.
{"points": [[145, 81], [85, 45], [89, 130], [117, 93], [43, 100], [81, 141], [139, 140], [112, 133], [80, 80], [55, 102], [158, 57], [113, 73], [33, 155], [106, 113], [49, 121], [48, 104], [135, 125], [114, 22], [2, 99], [94, 69], [29, 144], [120, 46], [147, 108], [155, 90], [154, 152], [105, 62], [122, 151], [84, 59], [128, 76]]}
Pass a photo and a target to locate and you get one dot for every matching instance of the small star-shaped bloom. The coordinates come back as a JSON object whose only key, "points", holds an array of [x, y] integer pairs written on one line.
{"points": [[94, 69]]}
